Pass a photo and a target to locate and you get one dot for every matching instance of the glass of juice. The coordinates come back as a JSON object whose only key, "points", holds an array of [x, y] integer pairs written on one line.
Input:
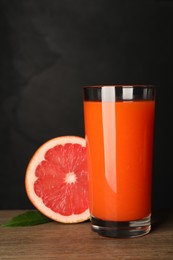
{"points": [[119, 131]]}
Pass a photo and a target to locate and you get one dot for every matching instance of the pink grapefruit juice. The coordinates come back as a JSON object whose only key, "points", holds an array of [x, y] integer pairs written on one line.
{"points": [[119, 138]]}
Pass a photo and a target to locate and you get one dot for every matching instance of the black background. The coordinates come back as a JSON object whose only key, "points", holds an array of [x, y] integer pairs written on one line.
{"points": [[50, 49]]}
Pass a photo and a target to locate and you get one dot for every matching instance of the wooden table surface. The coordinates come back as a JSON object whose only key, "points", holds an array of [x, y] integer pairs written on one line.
{"points": [[77, 241]]}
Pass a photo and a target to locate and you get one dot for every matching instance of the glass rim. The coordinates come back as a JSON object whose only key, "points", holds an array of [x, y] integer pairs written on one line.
{"points": [[118, 92], [121, 86]]}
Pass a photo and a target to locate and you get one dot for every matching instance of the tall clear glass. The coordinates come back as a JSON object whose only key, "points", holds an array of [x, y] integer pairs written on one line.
{"points": [[119, 130]]}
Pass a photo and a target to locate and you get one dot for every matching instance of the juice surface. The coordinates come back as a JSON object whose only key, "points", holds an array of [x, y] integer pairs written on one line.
{"points": [[119, 138]]}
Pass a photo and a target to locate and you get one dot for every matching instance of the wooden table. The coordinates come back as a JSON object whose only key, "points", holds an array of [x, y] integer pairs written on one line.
{"points": [[77, 241]]}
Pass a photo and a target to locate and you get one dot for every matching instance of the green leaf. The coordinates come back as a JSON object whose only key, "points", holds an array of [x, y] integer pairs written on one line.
{"points": [[29, 218]]}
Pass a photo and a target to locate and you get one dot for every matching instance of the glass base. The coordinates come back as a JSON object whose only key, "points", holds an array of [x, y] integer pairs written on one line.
{"points": [[121, 229]]}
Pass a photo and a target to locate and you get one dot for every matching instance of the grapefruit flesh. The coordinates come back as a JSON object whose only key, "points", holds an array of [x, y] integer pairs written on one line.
{"points": [[56, 179]]}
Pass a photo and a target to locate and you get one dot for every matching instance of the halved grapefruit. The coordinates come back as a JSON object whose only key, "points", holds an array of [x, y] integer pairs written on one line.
{"points": [[56, 179]]}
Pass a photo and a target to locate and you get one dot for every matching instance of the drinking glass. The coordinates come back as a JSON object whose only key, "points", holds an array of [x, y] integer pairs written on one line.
{"points": [[119, 131]]}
